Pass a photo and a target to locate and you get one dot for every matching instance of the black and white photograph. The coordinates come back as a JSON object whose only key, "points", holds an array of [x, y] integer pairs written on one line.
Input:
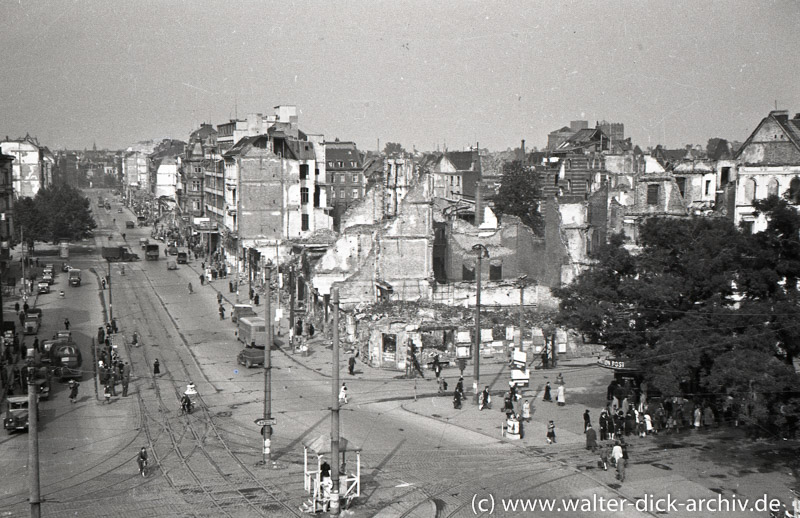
{"points": [[399, 259]]}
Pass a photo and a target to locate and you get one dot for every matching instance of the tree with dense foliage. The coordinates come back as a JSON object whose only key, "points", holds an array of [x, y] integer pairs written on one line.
{"points": [[57, 212], [519, 195], [706, 311], [393, 148]]}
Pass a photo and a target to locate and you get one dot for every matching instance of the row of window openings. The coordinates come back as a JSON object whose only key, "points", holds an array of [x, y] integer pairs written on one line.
{"points": [[355, 178], [772, 189], [343, 193], [340, 164], [495, 272]]}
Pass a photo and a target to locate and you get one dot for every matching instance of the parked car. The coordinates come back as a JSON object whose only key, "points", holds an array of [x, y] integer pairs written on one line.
{"points": [[44, 287], [250, 356], [31, 324], [17, 417], [172, 265], [129, 224], [48, 278]]}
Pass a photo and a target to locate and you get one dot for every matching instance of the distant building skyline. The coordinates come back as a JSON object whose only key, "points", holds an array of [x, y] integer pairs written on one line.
{"points": [[423, 74]]}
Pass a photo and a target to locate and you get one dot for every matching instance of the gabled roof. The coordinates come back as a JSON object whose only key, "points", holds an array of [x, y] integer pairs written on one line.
{"points": [[565, 129], [791, 127], [464, 160], [245, 143], [203, 131]]}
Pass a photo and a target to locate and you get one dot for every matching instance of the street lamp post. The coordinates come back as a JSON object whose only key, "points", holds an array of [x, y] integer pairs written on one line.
{"points": [[268, 364], [482, 252], [521, 283]]}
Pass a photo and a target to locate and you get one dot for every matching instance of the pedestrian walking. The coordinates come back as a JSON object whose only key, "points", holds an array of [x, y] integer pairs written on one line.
{"points": [[22, 318], [156, 368], [106, 394], [73, 390], [103, 282], [219, 298], [605, 452], [551, 432], [141, 460], [112, 381], [16, 307], [547, 396], [255, 299], [190, 289], [202, 279], [619, 454], [26, 307], [561, 397], [125, 382], [36, 344], [343, 394], [591, 438], [526, 410], [351, 365], [587, 420], [221, 312], [66, 324], [485, 399]]}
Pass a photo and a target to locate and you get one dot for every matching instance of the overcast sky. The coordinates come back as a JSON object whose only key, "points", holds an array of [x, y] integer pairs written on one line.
{"points": [[425, 74]]}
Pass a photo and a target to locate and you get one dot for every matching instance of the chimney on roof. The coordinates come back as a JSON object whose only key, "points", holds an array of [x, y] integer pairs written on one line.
{"points": [[523, 150]]}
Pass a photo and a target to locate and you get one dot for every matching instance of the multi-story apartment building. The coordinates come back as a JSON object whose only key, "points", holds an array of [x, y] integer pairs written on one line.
{"points": [[33, 165], [344, 176], [768, 164], [135, 171], [271, 194], [164, 168], [6, 209], [201, 154]]}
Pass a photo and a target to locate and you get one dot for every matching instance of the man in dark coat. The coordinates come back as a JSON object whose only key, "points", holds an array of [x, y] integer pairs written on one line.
{"points": [[587, 420], [591, 438], [351, 365], [547, 396]]}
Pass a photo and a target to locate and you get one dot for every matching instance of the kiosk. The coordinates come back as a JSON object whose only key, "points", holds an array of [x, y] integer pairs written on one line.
{"points": [[349, 483]]}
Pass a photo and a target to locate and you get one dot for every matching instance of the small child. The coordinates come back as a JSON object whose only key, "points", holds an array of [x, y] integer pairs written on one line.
{"points": [[107, 394], [551, 432], [604, 454]]}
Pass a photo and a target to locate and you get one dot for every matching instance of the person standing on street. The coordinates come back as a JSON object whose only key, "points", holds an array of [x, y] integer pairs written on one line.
{"points": [[351, 365], [66, 324], [221, 312], [202, 279], [551, 432], [343, 394], [106, 394], [156, 368], [587, 420], [141, 459], [561, 398], [73, 390], [190, 289], [219, 298], [547, 396], [591, 438]]}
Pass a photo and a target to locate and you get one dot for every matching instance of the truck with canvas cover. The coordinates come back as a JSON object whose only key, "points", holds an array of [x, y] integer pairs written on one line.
{"points": [[119, 253], [151, 252], [252, 329]]}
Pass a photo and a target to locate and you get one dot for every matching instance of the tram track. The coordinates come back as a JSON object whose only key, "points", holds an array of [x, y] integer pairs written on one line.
{"points": [[200, 430]]}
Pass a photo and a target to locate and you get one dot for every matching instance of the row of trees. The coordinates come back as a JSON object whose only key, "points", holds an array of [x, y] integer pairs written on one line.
{"points": [[57, 212], [706, 311]]}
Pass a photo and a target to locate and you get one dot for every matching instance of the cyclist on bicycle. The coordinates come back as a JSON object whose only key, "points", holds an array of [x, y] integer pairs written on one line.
{"points": [[142, 460], [186, 404]]}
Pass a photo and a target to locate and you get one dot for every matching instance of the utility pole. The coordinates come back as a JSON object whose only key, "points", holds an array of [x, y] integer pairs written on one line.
{"points": [[110, 298], [267, 363], [335, 406], [292, 288], [481, 251], [33, 444]]}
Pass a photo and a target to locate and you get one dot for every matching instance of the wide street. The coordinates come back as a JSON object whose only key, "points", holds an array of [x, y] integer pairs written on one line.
{"points": [[419, 456]]}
